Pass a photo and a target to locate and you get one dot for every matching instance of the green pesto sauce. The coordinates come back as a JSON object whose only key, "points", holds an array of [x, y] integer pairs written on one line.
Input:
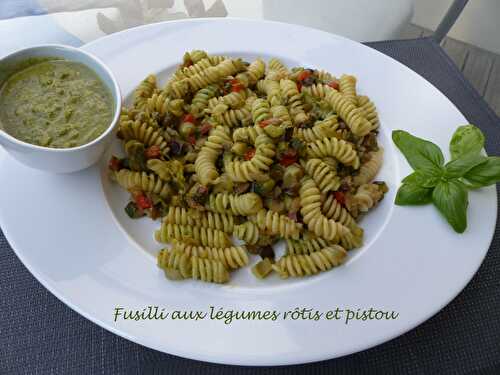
{"points": [[56, 103]]}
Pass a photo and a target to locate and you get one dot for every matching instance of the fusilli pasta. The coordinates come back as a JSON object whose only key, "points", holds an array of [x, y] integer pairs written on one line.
{"points": [[245, 204], [310, 264], [369, 169], [205, 162], [275, 224], [254, 152], [231, 257], [347, 86], [194, 234], [339, 149]]}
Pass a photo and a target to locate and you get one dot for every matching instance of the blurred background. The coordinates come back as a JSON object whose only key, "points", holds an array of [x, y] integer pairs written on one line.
{"points": [[472, 31]]}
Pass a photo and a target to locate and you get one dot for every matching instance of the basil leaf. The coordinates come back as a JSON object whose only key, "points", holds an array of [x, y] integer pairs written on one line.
{"points": [[410, 179], [466, 139], [451, 199], [485, 174], [459, 167], [423, 179], [412, 195], [428, 180], [419, 153]]}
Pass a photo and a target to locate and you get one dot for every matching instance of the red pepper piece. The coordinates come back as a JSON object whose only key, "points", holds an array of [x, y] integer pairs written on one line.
{"points": [[142, 201], [189, 118], [205, 128], [303, 75], [152, 152], [250, 154], [340, 197], [114, 164], [334, 85]]}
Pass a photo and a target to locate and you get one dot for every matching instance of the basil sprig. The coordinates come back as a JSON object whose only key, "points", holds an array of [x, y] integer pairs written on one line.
{"points": [[445, 185]]}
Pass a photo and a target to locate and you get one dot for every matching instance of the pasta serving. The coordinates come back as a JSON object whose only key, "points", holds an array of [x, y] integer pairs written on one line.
{"points": [[254, 151]]}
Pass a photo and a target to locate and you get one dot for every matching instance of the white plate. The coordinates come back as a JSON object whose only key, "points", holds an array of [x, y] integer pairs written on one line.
{"points": [[71, 233]]}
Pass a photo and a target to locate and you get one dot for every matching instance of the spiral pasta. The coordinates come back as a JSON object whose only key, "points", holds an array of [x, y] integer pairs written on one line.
{"points": [[324, 76], [272, 91], [234, 117], [325, 177], [310, 264], [350, 240], [339, 149], [276, 70], [247, 232], [171, 261], [255, 168], [144, 91], [317, 223], [142, 116], [213, 74], [253, 152], [321, 129], [254, 73], [305, 246], [142, 181], [143, 133], [201, 99], [369, 169], [260, 111], [366, 197], [231, 257], [162, 104], [247, 135], [347, 86], [206, 219], [241, 171], [167, 170], [369, 110], [194, 56], [178, 89], [208, 270], [205, 162], [318, 90], [294, 99], [352, 115], [231, 100], [280, 112], [310, 200], [244, 204], [332, 209], [196, 68], [189, 233], [275, 224]]}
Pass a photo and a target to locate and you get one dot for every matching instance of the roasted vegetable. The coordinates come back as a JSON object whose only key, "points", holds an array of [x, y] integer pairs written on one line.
{"points": [[292, 176], [133, 211], [136, 157], [262, 269]]}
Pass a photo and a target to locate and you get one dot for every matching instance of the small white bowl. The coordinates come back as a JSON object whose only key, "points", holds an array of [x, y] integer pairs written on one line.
{"points": [[61, 160]]}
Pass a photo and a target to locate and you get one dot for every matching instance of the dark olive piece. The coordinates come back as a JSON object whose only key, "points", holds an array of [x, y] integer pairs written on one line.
{"points": [[266, 252]]}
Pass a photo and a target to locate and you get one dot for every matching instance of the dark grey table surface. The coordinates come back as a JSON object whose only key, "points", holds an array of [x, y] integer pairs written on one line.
{"points": [[41, 335]]}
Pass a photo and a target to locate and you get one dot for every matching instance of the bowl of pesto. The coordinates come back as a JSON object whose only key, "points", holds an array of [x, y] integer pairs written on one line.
{"points": [[59, 107]]}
